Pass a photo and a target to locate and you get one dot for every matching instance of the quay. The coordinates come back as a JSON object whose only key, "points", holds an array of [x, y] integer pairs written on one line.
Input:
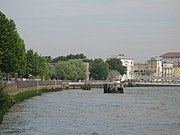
{"points": [[153, 84], [13, 88], [55, 85]]}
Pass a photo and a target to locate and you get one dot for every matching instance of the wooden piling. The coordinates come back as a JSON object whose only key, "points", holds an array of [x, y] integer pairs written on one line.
{"points": [[86, 87], [113, 88]]}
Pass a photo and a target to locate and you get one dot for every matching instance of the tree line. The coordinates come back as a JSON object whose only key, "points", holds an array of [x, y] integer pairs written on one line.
{"points": [[15, 59]]}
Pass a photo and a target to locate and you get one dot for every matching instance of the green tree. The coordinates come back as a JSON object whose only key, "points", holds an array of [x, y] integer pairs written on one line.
{"points": [[50, 74], [12, 48], [36, 64], [68, 57], [48, 59], [116, 64], [99, 69], [71, 70]]}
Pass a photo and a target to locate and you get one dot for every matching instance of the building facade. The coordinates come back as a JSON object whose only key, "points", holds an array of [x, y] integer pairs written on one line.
{"points": [[128, 62], [167, 66], [170, 57], [176, 71], [159, 68], [154, 67], [171, 64], [168, 70], [87, 70], [140, 69]]}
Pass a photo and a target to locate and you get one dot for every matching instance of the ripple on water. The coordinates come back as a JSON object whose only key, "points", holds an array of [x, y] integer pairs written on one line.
{"points": [[74, 112]]}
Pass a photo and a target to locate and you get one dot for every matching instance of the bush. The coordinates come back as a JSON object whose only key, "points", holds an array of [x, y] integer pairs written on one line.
{"points": [[6, 102]]}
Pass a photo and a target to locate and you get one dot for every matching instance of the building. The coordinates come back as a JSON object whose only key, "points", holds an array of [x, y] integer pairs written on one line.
{"points": [[170, 57], [171, 63], [176, 71], [128, 62], [154, 67], [140, 69], [168, 70], [87, 70], [176, 64], [114, 76]]}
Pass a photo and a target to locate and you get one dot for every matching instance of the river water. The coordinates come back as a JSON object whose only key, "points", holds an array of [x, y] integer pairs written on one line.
{"points": [[139, 111]]}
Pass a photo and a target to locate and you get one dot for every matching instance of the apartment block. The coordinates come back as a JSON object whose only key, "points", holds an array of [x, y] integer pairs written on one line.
{"points": [[128, 62]]}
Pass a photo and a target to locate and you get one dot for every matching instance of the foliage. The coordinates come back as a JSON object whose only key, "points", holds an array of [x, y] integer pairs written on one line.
{"points": [[99, 69], [68, 57], [71, 70], [36, 65], [51, 71], [6, 102], [12, 48], [48, 59], [116, 64]]}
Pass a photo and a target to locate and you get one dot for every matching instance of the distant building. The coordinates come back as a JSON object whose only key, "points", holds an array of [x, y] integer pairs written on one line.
{"points": [[140, 69], [167, 66], [168, 70], [170, 57], [176, 64], [87, 70], [114, 76], [176, 71], [128, 62], [155, 67], [171, 62]]}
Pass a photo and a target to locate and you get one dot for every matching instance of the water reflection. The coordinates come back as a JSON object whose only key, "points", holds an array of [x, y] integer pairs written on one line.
{"points": [[139, 111]]}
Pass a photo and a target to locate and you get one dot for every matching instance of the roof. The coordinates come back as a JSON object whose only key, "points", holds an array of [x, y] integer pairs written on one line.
{"points": [[171, 54]]}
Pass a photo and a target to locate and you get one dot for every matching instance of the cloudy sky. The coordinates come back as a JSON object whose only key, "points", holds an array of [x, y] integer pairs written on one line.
{"points": [[98, 28]]}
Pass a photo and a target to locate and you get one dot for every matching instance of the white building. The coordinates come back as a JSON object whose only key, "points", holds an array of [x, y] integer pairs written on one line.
{"points": [[170, 57], [159, 70], [168, 70], [128, 62]]}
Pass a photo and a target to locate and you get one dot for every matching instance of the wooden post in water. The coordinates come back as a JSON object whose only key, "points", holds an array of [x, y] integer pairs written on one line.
{"points": [[86, 87], [113, 88]]}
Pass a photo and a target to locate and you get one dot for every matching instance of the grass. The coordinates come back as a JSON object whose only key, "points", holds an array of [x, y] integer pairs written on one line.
{"points": [[9, 101], [26, 94]]}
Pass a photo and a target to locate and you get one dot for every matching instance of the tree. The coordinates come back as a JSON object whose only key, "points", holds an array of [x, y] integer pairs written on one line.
{"points": [[36, 64], [116, 64], [71, 70], [99, 69], [50, 74], [69, 57], [12, 48], [48, 59]]}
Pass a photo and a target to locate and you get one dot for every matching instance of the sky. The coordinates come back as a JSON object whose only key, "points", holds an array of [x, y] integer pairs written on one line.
{"points": [[97, 28]]}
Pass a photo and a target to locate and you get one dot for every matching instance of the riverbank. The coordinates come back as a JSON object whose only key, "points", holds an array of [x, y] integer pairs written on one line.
{"points": [[7, 101]]}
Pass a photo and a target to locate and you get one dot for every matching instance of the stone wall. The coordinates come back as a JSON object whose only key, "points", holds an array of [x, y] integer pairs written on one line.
{"points": [[19, 86]]}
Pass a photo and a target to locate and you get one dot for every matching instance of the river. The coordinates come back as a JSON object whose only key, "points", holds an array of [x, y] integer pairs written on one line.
{"points": [[139, 111]]}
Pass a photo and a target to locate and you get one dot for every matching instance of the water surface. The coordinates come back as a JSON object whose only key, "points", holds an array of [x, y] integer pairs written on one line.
{"points": [[139, 111]]}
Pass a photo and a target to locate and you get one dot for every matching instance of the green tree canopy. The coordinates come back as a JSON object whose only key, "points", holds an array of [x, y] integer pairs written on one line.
{"points": [[71, 70], [116, 64], [99, 69], [12, 48], [36, 64], [48, 59], [51, 71], [68, 57]]}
